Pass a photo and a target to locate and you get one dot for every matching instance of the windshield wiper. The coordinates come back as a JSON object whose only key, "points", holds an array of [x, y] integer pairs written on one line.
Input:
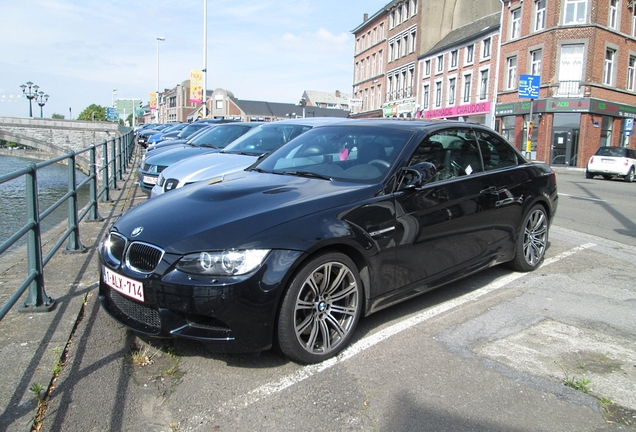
{"points": [[305, 174]]}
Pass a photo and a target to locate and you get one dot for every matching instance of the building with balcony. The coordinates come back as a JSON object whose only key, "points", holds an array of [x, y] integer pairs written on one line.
{"points": [[458, 74], [584, 55]]}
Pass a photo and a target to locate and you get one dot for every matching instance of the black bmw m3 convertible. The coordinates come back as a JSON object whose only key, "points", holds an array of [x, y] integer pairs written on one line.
{"points": [[344, 220]]}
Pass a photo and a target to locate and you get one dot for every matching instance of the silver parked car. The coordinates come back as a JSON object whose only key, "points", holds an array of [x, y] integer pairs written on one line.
{"points": [[236, 156]]}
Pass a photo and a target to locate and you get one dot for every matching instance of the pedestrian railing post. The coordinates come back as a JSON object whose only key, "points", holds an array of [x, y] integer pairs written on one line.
{"points": [[105, 176], [93, 187], [74, 244], [116, 168], [36, 300], [121, 158]]}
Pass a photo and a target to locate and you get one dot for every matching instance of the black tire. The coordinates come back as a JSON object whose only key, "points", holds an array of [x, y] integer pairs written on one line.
{"points": [[588, 175], [630, 175], [319, 314], [532, 241]]}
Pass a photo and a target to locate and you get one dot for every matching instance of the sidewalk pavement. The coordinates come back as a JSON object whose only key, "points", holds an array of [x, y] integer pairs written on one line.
{"points": [[33, 345]]}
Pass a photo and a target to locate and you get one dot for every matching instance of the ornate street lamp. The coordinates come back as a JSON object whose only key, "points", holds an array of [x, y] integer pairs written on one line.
{"points": [[41, 100], [31, 94]]}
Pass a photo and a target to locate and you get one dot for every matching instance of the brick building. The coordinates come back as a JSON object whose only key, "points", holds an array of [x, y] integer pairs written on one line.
{"points": [[584, 52], [387, 76], [458, 74]]}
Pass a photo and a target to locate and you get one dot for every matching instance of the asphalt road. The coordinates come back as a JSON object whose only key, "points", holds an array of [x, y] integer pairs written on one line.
{"points": [[604, 208], [490, 353]]}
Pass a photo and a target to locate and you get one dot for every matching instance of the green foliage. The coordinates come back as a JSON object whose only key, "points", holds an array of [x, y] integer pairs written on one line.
{"points": [[57, 116], [93, 113]]}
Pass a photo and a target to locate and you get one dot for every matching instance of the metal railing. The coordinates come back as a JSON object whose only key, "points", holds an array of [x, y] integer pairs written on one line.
{"points": [[108, 162]]}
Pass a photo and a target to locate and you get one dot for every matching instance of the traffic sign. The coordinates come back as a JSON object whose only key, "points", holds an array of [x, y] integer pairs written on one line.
{"points": [[529, 86], [111, 114], [629, 126]]}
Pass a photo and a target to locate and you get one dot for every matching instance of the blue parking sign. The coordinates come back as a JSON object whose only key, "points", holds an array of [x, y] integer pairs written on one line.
{"points": [[529, 86], [629, 126]]}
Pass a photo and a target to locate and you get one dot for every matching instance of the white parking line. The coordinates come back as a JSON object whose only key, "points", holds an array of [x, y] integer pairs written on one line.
{"points": [[307, 371], [582, 197]]}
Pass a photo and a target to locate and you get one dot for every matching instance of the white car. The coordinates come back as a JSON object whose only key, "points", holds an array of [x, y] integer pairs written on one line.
{"points": [[236, 156], [612, 162]]}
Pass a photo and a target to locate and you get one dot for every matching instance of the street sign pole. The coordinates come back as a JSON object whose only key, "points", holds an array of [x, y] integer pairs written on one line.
{"points": [[529, 129], [529, 86]]}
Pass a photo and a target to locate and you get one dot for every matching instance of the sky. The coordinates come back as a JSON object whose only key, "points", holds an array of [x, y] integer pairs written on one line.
{"points": [[80, 51]]}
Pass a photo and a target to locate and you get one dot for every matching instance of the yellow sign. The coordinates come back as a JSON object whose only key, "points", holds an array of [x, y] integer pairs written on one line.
{"points": [[529, 143], [196, 89], [153, 100]]}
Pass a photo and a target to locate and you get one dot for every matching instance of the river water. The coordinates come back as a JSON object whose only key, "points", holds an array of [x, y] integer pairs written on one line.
{"points": [[52, 183]]}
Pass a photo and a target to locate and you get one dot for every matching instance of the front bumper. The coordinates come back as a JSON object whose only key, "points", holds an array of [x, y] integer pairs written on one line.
{"points": [[232, 314]]}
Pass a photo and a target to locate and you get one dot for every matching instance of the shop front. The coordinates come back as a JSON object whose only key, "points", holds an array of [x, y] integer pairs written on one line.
{"points": [[566, 132], [474, 113]]}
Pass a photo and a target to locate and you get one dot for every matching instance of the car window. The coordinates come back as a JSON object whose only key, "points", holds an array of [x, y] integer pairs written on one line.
{"points": [[612, 151], [346, 153], [264, 139], [454, 152], [496, 153], [220, 136]]}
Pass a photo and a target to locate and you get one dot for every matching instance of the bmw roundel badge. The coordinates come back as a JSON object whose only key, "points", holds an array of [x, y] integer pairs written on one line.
{"points": [[136, 231]]}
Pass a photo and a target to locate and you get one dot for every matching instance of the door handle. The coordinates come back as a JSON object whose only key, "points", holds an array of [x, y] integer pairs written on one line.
{"points": [[490, 190]]}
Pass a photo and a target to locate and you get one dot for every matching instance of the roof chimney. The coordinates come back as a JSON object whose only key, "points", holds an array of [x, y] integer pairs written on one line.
{"points": [[366, 17], [337, 93]]}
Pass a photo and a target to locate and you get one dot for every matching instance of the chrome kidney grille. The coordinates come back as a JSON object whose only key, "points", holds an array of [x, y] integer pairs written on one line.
{"points": [[138, 256]]}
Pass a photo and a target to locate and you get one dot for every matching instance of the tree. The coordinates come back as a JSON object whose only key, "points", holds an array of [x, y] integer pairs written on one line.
{"points": [[57, 117], [93, 113]]}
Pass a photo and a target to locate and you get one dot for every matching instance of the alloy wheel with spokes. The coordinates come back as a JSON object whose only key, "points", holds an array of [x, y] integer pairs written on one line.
{"points": [[533, 241], [320, 309]]}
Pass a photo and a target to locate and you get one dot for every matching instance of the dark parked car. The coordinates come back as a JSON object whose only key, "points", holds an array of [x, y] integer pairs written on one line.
{"points": [[144, 134], [340, 222]]}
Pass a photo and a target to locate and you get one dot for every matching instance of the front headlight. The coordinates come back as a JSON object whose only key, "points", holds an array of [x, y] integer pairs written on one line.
{"points": [[225, 263]]}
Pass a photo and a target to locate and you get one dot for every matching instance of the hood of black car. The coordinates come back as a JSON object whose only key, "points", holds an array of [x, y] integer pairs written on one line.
{"points": [[225, 214]]}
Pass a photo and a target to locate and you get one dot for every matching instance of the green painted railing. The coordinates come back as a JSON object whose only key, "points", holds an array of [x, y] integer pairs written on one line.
{"points": [[108, 163]]}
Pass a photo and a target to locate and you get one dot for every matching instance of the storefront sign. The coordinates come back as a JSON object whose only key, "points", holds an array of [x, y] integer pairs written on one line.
{"points": [[462, 110]]}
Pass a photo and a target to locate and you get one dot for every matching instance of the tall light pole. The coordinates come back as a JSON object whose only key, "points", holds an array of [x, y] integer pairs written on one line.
{"points": [[204, 108], [41, 100], [114, 93], [159, 39], [30, 94]]}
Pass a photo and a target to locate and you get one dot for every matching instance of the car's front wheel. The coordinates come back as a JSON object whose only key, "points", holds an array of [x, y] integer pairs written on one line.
{"points": [[630, 175], [320, 309], [532, 241]]}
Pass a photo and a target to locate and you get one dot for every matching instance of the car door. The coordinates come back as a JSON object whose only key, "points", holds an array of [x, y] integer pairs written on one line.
{"points": [[444, 229], [510, 176]]}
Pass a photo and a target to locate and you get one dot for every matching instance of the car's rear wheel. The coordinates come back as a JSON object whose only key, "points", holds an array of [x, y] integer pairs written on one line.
{"points": [[588, 175], [630, 175], [532, 241], [320, 309]]}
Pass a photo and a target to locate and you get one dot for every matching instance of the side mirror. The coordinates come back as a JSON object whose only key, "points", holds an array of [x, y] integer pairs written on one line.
{"points": [[417, 175]]}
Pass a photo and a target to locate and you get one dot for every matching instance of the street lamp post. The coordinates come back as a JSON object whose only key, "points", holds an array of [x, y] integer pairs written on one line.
{"points": [[114, 93], [41, 100], [159, 39], [31, 94]]}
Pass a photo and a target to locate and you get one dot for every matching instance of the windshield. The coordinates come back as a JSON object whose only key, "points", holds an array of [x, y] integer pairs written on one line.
{"points": [[612, 151], [347, 153], [190, 129], [219, 136], [265, 139]]}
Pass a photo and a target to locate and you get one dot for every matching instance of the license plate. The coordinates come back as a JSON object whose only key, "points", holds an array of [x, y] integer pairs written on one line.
{"points": [[126, 286], [607, 161], [150, 180]]}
